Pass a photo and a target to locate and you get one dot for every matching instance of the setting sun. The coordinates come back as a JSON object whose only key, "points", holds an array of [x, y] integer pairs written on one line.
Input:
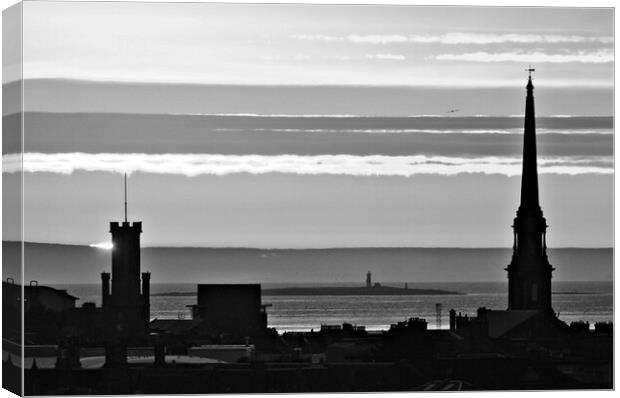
{"points": [[103, 245]]}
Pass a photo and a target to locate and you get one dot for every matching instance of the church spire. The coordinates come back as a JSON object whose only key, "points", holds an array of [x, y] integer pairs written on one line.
{"points": [[529, 177], [529, 272]]}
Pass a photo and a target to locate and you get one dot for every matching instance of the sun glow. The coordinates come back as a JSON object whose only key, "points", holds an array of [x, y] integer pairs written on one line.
{"points": [[103, 245]]}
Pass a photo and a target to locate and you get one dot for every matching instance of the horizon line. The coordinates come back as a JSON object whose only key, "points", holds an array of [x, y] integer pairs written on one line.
{"points": [[309, 116], [323, 283], [473, 85], [87, 245]]}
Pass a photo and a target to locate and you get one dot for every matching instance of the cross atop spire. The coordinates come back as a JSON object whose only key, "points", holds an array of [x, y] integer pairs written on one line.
{"points": [[529, 71], [530, 86]]}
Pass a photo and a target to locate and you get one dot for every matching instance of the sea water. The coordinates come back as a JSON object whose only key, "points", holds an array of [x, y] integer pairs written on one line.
{"points": [[573, 301]]}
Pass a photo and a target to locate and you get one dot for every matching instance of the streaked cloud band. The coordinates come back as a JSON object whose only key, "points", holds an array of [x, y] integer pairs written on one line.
{"points": [[391, 57], [454, 38], [191, 165], [596, 57]]}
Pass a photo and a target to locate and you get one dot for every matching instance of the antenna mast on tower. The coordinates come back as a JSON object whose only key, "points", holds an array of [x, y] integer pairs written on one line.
{"points": [[125, 197]]}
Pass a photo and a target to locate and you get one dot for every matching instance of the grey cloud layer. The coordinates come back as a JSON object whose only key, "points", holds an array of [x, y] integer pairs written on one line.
{"points": [[430, 136], [581, 98], [355, 146]]}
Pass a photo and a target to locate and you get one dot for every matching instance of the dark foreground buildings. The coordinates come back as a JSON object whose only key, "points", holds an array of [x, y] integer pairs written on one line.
{"points": [[124, 314], [227, 348]]}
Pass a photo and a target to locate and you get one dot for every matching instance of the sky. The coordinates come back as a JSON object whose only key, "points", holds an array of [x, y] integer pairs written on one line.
{"points": [[295, 126], [316, 44]]}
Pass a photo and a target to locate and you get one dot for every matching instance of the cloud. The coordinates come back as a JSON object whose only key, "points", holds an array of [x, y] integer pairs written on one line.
{"points": [[378, 39], [318, 37], [597, 57], [453, 38], [191, 165], [392, 57]]}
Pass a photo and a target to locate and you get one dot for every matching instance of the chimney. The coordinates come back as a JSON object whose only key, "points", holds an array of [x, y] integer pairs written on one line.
{"points": [[452, 319], [146, 294], [105, 289]]}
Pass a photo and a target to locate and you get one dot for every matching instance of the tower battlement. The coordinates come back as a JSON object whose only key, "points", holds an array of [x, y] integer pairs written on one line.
{"points": [[119, 226], [126, 301]]}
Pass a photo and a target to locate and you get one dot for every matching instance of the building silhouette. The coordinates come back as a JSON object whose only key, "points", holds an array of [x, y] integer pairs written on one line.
{"points": [[529, 272], [227, 346], [233, 309], [37, 297], [530, 317], [127, 305]]}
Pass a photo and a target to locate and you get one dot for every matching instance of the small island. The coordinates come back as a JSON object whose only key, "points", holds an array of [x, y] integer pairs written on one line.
{"points": [[370, 289], [376, 290]]}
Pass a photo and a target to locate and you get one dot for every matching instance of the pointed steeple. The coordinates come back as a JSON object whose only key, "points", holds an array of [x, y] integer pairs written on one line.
{"points": [[529, 177], [529, 272]]}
